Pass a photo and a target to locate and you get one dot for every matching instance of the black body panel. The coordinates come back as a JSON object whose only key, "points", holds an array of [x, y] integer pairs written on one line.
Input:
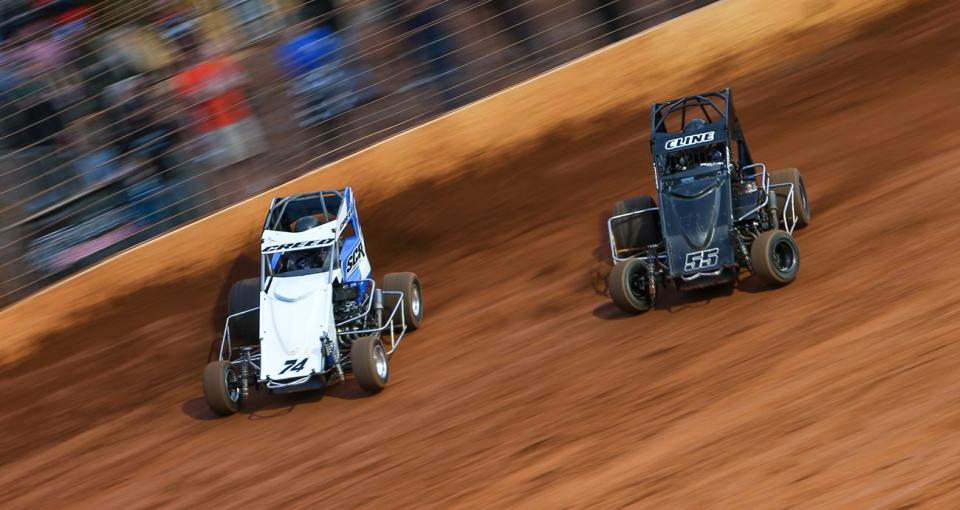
{"points": [[696, 218]]}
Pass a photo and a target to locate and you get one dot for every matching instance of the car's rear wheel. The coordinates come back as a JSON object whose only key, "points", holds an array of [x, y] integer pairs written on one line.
{"points": [[221, 387], [244, 295], [639, 231], [409, 285], [630, 286], [801, 202], [370, 364], [775, 257]]}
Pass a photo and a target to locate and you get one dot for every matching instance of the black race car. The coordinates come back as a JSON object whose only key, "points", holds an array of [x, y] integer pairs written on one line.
{"points": [[719, 211]]}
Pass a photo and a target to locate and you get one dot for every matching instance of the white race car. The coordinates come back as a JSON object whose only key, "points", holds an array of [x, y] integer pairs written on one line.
{"points": [[315, 314]]}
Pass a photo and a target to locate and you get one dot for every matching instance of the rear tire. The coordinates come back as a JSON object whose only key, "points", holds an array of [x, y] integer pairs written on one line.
{"points": [[221, 387], [243, 296], [628, 286], [801, 203], [775, 257], [409, 285], [636, 232], [370, 364]]}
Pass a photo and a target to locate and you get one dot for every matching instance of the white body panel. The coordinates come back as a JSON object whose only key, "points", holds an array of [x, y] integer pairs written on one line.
{"points": [[295, 313], [275, 238]]}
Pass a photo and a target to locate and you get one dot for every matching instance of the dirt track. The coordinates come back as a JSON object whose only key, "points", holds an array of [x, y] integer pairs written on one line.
{"points": [[526, 388]]}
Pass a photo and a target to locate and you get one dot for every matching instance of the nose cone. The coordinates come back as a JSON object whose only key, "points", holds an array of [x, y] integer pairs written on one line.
{"points": [[294, 315], [694, 207]]}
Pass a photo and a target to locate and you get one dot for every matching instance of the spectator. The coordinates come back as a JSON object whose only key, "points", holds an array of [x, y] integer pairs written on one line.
{"points": [[9, 82], [422, 20], [39, 52], [177, 27], [211, 86], [150, 139], [321, 13], [321, 86], [352, 16], [250, 18], [513, 17], [308, 48], [98, 159], [139, 49], [38, 121], [71, 21]]}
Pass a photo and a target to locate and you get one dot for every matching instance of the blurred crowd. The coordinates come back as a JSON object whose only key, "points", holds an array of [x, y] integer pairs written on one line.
{"points": [[119, 120], [106, 128]]}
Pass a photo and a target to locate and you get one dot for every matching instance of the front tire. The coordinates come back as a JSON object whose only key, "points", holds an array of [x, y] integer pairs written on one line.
{"points": [[370, 363], [801, 203], [221, 387], [245, 295], [629, 286], [409, 285], [636, 232], [775, 257]]}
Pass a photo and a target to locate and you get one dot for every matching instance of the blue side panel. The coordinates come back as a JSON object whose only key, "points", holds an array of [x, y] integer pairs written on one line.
{"points": [[353, 250], [346, 252]]}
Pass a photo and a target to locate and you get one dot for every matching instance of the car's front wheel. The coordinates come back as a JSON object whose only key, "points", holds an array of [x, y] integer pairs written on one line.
{"points": [[407, 284], [636, 232], [800, 201], [370, 363], [775, 257], [244, 296], [221, 387], [629, 285]]}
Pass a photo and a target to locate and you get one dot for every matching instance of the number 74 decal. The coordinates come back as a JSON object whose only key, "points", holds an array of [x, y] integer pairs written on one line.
{"points": [[294, 365]]}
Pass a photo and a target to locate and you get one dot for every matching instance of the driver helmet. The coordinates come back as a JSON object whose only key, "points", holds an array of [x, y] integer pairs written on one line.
{"points": [[694, 125], [306, 223]]}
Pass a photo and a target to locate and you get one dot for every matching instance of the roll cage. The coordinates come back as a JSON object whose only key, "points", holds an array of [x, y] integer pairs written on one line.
{"points": [[332, 206], [682, 150], [285, 211], [678, 144]]}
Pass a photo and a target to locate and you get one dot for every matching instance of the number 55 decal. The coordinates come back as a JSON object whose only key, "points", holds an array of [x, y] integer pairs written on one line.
{"points": [[294, 365], [701, 259]]}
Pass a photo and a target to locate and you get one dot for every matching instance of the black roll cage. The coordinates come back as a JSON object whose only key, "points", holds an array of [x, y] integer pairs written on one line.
{"points": [[717, 110]]}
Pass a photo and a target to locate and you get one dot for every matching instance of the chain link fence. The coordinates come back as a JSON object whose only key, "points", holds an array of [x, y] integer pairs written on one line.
{"points": [[120, 120]]}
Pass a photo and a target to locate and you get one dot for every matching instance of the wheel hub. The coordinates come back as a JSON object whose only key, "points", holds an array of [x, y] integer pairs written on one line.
{"points": [[380, 361], [784, 257], [803, 196], [232, 384], [642, 286], [415, 300]]}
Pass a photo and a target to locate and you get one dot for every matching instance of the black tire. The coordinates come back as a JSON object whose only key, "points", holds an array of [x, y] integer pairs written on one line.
{"points": [[243, 296], [775, 257], [370, 364], [409, 285], [801, 202], [638, 231], [221, 387], [628, 286]]}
